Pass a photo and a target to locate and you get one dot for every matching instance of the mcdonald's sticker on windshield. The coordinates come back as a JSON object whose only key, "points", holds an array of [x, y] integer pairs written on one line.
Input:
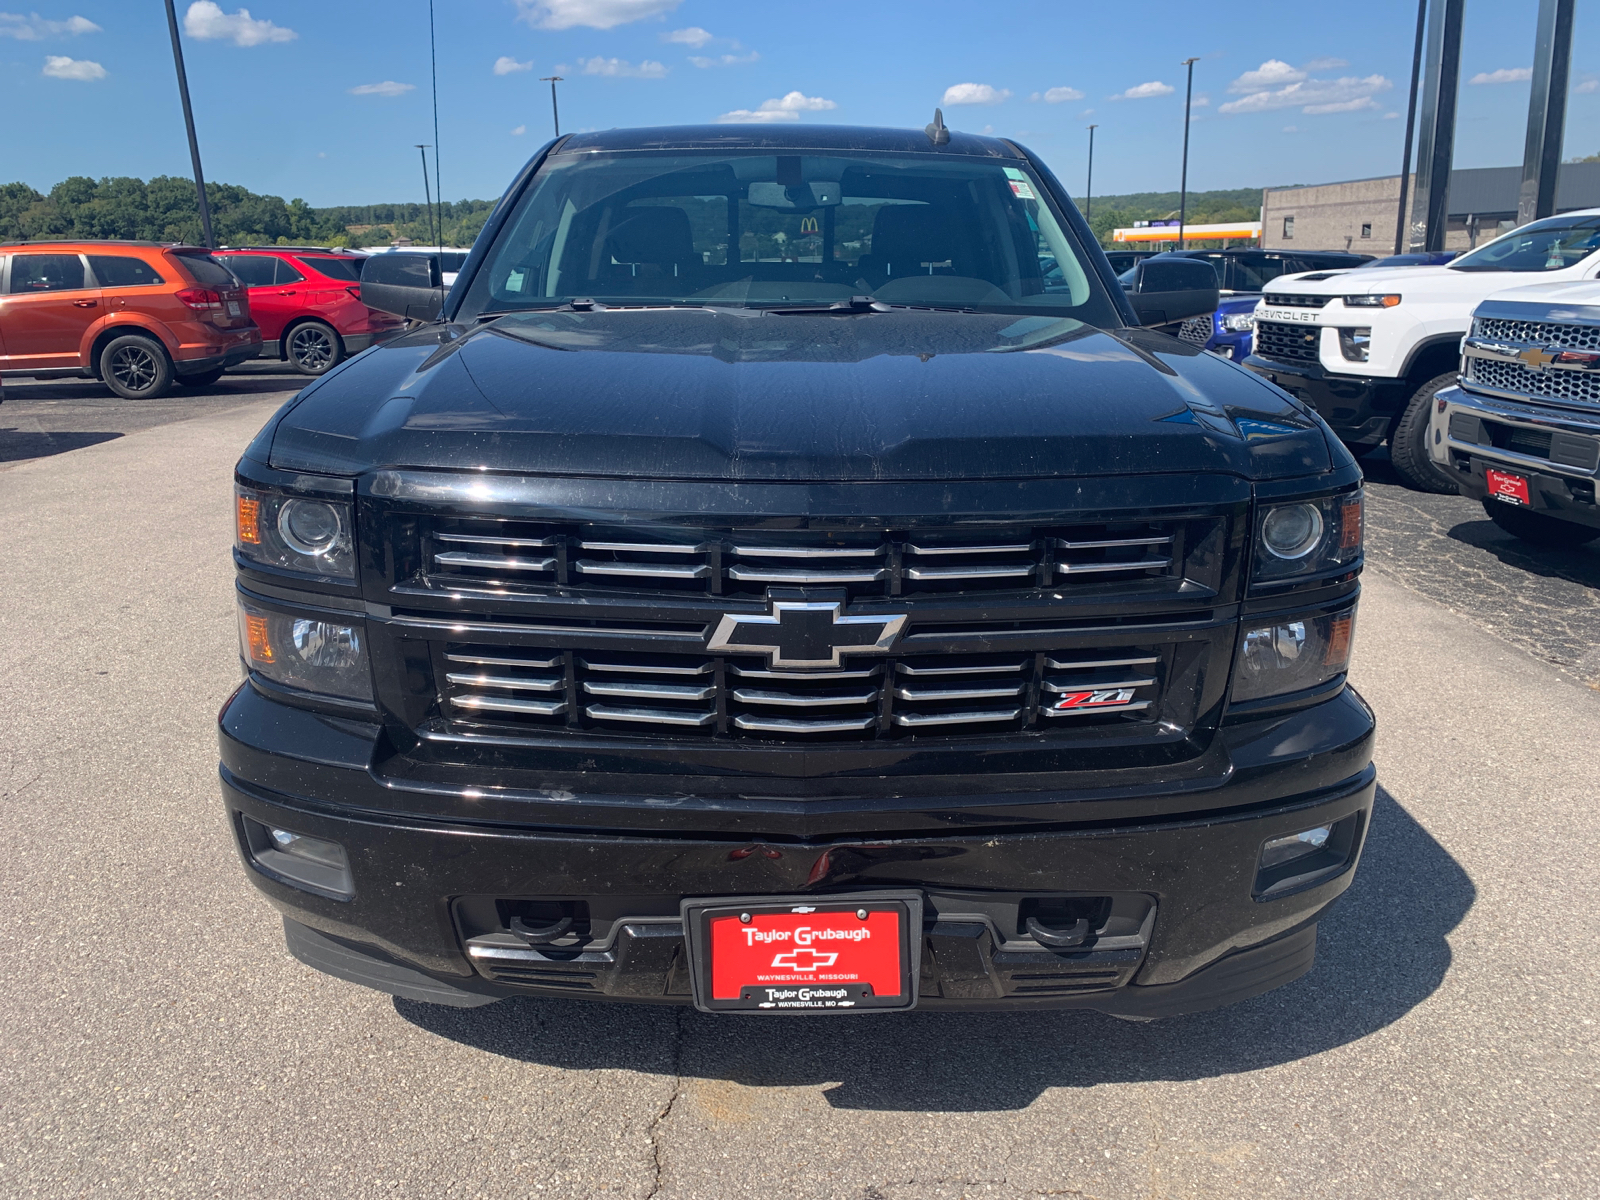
{"points": [[1022, 190], [809, 227]]}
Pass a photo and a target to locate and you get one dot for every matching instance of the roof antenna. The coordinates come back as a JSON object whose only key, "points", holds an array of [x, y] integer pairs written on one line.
{"points": [[937, 133]]}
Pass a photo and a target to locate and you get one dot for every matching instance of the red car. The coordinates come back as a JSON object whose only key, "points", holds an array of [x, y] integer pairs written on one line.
{"points": [[305, 300], [139, 316]]}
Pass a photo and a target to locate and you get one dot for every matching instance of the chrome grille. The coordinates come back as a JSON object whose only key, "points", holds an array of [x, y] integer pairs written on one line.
{"points": [[493, 555], [1540, 333], [1569, 387], [488, 688], [1287, 342]]}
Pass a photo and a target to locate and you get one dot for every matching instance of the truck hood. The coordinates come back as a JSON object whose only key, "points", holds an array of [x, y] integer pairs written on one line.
{"points": [[1579, 294], [736, 394], [1360, 281]]}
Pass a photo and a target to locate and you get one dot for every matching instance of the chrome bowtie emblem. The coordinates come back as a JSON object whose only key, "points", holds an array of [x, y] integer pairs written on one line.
{"points": [[805, 634]]}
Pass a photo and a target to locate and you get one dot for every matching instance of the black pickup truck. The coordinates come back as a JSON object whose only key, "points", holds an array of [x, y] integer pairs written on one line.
{"points": [[762, 585]]}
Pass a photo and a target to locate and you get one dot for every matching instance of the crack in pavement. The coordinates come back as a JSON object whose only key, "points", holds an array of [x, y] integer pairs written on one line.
{"points": [[660, 1118]]}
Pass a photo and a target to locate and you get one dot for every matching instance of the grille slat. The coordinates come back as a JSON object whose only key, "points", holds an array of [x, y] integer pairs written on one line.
{"points": [[1294, 300], [738, 696], [480, 554]]}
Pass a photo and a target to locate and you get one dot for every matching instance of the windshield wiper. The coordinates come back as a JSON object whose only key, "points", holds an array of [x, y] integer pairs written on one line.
{"points": [[856, 304]]}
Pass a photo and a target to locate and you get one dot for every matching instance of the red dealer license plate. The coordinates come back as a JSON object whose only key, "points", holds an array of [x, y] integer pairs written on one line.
{"points": [[804, 954], [1503, 485]]}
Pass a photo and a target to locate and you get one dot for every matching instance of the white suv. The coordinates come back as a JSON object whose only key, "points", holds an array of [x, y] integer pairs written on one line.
{"points": [[1369, 348]]}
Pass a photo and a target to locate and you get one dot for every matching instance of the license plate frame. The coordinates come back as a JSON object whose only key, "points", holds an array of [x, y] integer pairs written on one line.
{"points": [[1508, 487], [797, 989]]}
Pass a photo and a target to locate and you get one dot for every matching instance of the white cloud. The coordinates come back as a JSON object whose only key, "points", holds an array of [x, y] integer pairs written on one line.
{"points": [[1291, 129], [387, 88], [1587, 86], [726, 60], [595, 14], [1057, 95], [1272, 73], [974, 93], [519, 131], [1391, 116], [622, 69], [1203, 100], [786, 108], [1314, 96], [1504, 75], [506, 65], [1326, 64], [34, 28], [1145, 90], [693, 36], [206, 21], [59, 66]]}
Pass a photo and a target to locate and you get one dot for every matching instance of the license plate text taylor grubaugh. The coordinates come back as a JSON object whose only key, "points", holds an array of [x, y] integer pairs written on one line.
{"points": [[854, 946]]}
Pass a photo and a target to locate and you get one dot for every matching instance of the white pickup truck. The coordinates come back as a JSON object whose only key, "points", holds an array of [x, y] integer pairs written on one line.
{"points": [[1370, 348], [1521, 431]]}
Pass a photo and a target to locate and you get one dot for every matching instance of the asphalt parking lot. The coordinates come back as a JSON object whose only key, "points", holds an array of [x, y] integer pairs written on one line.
{"points": [[160, 1042]]}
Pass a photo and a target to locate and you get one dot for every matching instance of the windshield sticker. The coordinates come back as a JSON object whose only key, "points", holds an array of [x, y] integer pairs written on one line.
{"points": [[1013, 173], [1022, 191]]}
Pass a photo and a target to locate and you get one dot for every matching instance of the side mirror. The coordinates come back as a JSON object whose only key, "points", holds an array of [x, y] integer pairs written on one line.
{"points": [[407, 285], [1168, 290]]}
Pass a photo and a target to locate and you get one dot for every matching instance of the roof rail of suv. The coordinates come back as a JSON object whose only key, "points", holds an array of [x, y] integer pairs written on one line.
{"points": [[298, 249], [100, 242]]}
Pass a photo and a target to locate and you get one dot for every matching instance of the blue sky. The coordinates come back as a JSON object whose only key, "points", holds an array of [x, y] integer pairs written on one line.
{"points": [[326, 100]]}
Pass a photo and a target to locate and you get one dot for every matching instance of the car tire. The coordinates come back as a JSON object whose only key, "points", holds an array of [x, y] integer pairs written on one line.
{"points": [[204, 379], [136, 367], [314, 348], [1537, 527], [1408, 441]]}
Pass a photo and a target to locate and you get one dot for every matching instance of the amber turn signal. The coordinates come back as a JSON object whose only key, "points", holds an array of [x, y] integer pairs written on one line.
{"points": [[257, 643], [249, 520]]}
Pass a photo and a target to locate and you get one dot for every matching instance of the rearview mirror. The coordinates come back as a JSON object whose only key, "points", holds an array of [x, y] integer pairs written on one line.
{"points": [[1168, 290], [800, 197], [407, 285]]}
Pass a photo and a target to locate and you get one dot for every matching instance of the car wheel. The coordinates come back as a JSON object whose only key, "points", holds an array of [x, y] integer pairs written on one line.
{"points": [[136, 368], [314, 348], [204, 379], [1408, 441], [1537, 527]]}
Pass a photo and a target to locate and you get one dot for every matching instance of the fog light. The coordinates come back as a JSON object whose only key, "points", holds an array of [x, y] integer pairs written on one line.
{"points": [[314, 864], [1296, 845], [1302, 860]]}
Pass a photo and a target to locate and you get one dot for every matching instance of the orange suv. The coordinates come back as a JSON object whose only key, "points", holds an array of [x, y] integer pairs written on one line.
{"points": [[138, 316]]}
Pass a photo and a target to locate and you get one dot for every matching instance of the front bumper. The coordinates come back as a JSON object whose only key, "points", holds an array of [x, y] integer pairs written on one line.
{"points": [[431, 892], [1358, 408], [1556, 450]]}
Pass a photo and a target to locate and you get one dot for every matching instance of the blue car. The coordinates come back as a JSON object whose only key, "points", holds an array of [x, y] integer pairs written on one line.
{"points": [[1228, 331]]}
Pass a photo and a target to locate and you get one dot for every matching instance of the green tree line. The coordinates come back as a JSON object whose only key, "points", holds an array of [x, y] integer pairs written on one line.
{"points": [[1203, 208], [164, 210]]}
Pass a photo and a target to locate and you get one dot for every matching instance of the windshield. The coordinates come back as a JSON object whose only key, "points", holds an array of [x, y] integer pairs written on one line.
{"points": [[785, 230], [1550, 245]]}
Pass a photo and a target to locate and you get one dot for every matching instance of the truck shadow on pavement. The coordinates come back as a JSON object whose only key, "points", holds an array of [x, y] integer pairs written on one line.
{"points": [[1382, 951], [1580, 566], [19, 444]]}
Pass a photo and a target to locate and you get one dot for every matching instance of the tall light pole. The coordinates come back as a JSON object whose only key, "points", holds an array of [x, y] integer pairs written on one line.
{"points": [[433, 65], [1411, 126], [555, 114], [426, 195], [188, 120], [1088, 184], [1183, 180]]}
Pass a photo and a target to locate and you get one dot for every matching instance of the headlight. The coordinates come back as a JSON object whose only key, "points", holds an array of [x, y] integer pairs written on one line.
{"points": [[1239, 322], [308, 535], [1307, 537], [1355, 343], [309, 654], [1371, 301], [1290, 654]]}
